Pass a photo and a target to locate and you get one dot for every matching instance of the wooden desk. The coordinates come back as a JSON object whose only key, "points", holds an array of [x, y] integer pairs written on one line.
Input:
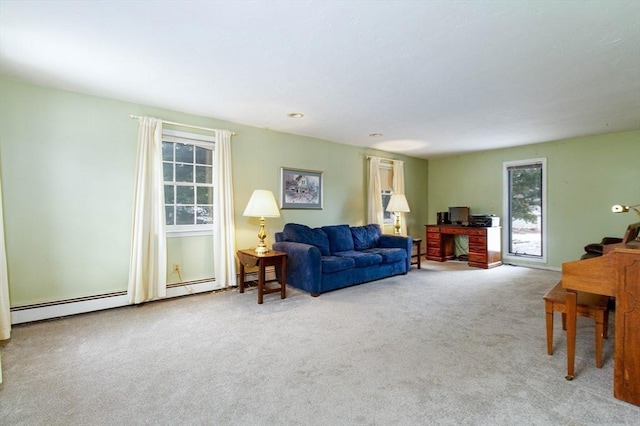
{"points": [[484, 244], [614, 274], [250, 258]]}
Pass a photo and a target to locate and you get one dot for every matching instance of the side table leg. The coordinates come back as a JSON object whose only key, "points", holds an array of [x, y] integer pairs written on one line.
{"points": [[419, 253], [283, 280], [241, 278], [261, 269]]}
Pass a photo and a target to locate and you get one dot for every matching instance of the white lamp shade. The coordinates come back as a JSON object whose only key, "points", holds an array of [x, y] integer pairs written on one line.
{"points": [[398, 203], [262, 204]]}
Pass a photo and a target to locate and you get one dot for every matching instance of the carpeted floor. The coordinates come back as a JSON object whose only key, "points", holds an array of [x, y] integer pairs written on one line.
{"points": [[446, 344]]}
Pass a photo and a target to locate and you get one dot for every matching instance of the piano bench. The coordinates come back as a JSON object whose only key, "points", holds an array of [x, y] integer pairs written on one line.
{"points": [[590, 305]]}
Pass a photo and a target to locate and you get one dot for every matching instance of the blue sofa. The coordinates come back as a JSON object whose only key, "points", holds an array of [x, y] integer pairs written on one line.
{"points": [[337, 256]]}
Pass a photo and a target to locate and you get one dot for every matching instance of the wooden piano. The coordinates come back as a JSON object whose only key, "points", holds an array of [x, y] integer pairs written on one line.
{"points": [[617, 274]]}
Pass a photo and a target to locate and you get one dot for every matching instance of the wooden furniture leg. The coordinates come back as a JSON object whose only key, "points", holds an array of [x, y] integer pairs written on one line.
{"points": [[571, 307], [241, 278], [549, 318], [261, 274], [599, 334], [283, 282]]}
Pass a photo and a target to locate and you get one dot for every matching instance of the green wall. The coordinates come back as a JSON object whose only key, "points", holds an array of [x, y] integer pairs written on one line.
{"points": [[67, 162], [585, 177]]}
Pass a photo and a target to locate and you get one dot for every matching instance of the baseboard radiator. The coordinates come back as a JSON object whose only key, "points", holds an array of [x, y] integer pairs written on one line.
{"points": [[80, 305]]}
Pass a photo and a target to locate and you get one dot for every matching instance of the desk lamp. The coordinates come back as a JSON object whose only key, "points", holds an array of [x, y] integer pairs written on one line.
{"points": [[618, 208], [398, 204], [262, 204]]}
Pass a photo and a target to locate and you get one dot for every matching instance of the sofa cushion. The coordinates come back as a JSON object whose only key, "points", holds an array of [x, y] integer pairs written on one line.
{"points": [[361, 258], [389, 255], [366, 237], [340, 238], [303, 234], [331, 264]]}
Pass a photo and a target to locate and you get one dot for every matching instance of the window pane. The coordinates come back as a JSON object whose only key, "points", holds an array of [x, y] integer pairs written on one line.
{"points": [[204, 174], [525, 207], [167, 171], [205, 214], [184, 173], [184, 153], [188, 183], [184, 215], [204, 156], [205, 195], [386, 216], [169, 194], [185, 195], [167, 151], [169, 214]]}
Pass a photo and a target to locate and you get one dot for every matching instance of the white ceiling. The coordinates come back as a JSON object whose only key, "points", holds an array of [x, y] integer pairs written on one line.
{"points": [[434, 77]]}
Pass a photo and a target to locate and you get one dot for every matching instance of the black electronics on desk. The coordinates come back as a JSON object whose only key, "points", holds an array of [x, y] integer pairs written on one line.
{"points": [[484, 220], [459, 215]]}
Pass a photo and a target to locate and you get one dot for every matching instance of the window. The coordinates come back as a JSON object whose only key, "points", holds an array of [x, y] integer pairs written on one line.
{"points": [[387, 217], [386, 185], [187, 162], [525, 209]]}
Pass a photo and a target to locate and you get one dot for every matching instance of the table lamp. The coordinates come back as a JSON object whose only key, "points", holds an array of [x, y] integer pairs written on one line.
{"points": [[618, 208], [398, 204], [262, 204]]}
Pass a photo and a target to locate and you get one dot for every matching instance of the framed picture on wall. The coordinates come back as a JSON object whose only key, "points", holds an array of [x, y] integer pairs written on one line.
{"points": [[300, 189]]}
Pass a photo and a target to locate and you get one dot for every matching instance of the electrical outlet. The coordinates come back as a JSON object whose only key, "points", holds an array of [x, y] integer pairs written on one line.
{"points": [[176, 268], [493, 208]]}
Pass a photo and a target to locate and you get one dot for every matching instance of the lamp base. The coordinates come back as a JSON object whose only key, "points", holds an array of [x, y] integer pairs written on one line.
{"points": [[262, 249], [397, 225]]}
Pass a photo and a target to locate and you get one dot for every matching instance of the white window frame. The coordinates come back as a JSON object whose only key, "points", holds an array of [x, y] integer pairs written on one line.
{"points": [[199, 140], [512, 257]]}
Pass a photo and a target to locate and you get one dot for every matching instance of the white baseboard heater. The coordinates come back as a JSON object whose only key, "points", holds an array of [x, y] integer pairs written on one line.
{"points": [[63, 308]]}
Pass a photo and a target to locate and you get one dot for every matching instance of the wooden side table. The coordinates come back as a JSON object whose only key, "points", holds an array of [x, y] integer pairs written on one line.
{"points": [[249, 258], [417, 243]]}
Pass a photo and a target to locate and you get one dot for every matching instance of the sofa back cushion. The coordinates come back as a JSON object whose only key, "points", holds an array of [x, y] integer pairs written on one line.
{"points": [[303, 234], [340, 238], [366, 237]]}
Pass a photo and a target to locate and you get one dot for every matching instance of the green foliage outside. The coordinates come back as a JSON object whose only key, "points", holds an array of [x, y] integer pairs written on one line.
{"points": [[526, 190]]}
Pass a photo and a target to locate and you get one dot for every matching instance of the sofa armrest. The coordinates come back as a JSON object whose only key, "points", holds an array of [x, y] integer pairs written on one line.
{"points": [[304, 265], [398, 241]]}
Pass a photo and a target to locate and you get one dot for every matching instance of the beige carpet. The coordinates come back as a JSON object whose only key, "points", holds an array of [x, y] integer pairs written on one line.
{"points": [[446, 344]]}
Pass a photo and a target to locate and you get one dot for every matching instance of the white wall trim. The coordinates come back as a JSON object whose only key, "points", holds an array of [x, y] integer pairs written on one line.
{"points": [[63, 308]]}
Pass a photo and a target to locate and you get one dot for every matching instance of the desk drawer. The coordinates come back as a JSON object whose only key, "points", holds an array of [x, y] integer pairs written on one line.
{"points": [[456, 231], [477, 249], [433, 239], [435, 252], [475, 239], [477, 231]]}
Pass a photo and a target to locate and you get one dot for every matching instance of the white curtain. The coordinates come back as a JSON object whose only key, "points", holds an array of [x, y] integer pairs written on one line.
{"points": [[224, 246], [374, 202], [398, 188], [5, 312], [148, 265]]}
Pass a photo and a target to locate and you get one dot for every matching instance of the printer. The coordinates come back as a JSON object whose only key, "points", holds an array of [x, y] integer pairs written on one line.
{"points": [[484, 220]]}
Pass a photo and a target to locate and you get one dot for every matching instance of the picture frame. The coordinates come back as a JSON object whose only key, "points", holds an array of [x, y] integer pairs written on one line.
{"points": [[300, 189]]}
